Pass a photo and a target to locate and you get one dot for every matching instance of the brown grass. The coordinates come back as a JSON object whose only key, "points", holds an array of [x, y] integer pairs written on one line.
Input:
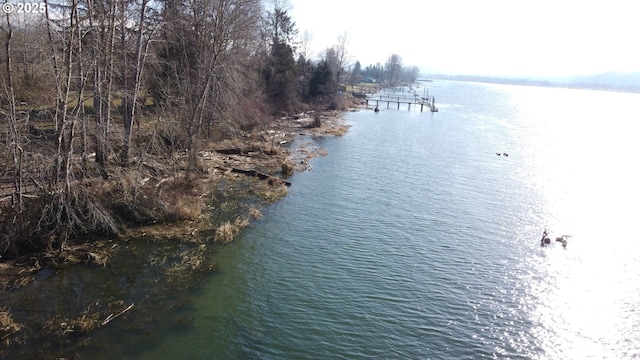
{"points": [[269, 193], [255, 213], [287, 168], [228, 231], [190, 260], [187, 208], [181, 199]]}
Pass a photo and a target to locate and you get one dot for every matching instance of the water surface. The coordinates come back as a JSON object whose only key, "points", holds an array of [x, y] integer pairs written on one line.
{"points": [[413, 239]]}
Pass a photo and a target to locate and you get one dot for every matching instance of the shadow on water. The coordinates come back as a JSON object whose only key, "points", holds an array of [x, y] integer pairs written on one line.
{"points": [[122, 309]]}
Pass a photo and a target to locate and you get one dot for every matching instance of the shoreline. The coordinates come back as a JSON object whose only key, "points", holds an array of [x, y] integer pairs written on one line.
{"points": [[267, 151], [284, 147]]}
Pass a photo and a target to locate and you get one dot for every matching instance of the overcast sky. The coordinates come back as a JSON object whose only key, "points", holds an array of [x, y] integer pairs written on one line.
{"points": [[545, 38]]}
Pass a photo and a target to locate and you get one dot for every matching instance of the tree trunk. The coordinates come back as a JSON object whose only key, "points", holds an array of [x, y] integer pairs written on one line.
{"points": [[14, 129], [130, 101], [56, 69], [103, 52], [63, 140]]}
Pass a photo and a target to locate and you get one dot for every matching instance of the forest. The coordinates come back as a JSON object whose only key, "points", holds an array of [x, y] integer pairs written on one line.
{"points": [[95, 96]]}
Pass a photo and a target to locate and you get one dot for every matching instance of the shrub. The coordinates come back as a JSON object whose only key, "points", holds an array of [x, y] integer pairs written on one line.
{"points": [[227, 232], [189, 209], [255, 213], [287, 168]]}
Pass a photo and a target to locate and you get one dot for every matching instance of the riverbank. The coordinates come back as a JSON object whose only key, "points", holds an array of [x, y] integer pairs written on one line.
{"points": [[267, 151], [215, 206], [285, 147]]}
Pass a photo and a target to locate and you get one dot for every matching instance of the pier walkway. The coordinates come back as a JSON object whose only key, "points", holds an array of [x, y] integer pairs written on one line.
{"points": [[398, 100]]}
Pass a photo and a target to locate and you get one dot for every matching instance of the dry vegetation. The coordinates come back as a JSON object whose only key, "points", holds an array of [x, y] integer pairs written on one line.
{"points": [[8, 327], [228, 231], [158, 199], [122, 125]]}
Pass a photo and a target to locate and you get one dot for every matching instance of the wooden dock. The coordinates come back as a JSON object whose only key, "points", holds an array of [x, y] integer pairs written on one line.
{"points": [[429, 103]]}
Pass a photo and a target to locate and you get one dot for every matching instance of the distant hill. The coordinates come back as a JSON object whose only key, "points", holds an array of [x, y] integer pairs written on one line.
{"points": [[607, 80], [615, 81]]}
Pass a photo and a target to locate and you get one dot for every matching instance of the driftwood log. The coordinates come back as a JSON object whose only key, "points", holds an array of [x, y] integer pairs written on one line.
{"points": [[260, 175], [239, 151]]}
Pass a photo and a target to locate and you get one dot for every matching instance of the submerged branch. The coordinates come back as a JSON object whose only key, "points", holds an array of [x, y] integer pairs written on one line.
{"points": [[111, 316]]}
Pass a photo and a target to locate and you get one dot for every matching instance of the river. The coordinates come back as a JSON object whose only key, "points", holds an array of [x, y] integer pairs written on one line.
{"points": [[414, 239], [418, 237]]}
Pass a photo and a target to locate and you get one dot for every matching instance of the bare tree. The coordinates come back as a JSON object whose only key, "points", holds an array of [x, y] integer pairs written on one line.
{"points": [[102, 23], [67, 130], [227, 31], [60, 92], [205, 56], [205, 66], [305, 45], [393, 68], [342, 56], [14, 137], [132, 91]]}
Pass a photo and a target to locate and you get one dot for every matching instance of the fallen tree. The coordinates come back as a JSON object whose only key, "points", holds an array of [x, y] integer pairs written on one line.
{"points": [[261, 176]]}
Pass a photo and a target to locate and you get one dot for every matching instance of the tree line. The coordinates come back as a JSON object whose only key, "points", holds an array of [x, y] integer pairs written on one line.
{"points": [[90, 89], [391, 72]]}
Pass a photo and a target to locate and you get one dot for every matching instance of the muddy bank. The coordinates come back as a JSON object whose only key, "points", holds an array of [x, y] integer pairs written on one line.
{"points": [[59, 303]]}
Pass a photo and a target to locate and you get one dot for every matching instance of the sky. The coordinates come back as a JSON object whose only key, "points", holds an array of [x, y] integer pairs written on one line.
{"points": [[541, 38]]}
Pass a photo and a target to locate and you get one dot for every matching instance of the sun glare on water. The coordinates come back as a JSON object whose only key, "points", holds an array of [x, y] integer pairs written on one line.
{"points": [[588, 293]]}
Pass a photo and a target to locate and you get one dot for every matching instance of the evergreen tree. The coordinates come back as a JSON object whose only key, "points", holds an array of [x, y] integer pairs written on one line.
{"points": [[280, 77], [322, 82], [357, 68], [279, 73]]}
